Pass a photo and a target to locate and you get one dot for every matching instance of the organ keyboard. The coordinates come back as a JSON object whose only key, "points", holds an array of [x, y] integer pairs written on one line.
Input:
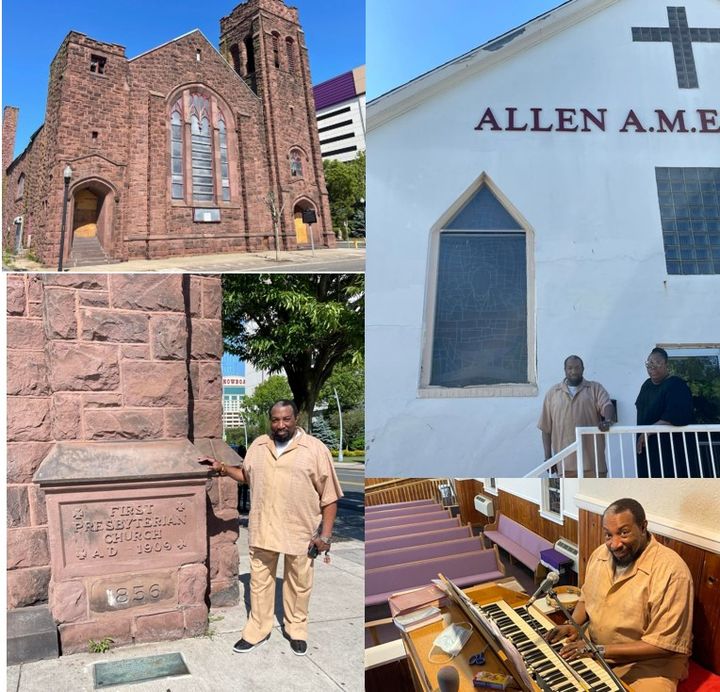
{"points": [[538, 668]]}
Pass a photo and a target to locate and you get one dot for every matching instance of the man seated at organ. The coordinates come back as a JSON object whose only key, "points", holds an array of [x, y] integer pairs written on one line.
{"points": [[637, 599]]}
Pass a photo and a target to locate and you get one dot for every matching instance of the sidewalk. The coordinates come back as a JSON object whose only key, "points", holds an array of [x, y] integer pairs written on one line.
{"points": [[346, 258], [335, 643]]}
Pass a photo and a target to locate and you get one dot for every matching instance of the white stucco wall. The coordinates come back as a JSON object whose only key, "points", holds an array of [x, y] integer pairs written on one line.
{"points": [[601, 286]]}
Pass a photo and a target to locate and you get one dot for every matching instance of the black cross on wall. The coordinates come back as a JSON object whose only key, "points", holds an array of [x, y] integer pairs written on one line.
{"points": [[682, 37]]}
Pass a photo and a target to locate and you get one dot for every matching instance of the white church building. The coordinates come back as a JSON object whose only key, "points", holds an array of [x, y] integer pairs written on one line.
{"points": [[554, 191]]}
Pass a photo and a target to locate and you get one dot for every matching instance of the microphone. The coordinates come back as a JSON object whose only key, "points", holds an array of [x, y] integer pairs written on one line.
{"points": [[448, 679], [549, 581]]}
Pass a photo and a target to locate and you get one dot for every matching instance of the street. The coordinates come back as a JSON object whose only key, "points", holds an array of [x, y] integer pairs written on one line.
{"points": [[350, 522]]}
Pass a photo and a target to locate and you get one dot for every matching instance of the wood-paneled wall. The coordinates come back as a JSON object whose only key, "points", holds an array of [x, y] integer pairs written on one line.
{"points": [[402, 490], [705, 569], [523, 511]]}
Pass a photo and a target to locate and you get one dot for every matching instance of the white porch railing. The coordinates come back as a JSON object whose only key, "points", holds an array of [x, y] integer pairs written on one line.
{"points": [[691, 450]]}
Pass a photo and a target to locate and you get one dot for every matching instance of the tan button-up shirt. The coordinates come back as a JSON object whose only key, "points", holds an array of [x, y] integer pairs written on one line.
{"points": [[562, 413], [652, 602], [288, 492]]}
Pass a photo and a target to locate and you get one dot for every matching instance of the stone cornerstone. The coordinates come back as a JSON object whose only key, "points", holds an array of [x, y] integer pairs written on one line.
{"points": [[123, 359]]}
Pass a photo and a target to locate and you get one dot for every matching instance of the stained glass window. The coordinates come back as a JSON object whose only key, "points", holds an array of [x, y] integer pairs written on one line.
{"points": [[296, 164], [224, 169], [481, 322], [176, 152], [202, 155]]}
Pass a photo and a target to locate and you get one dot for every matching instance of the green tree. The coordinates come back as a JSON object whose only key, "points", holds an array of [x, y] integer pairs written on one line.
{"points": [[349, 381], [302, 324], [346, 189], [353, 427], [255, 407]]}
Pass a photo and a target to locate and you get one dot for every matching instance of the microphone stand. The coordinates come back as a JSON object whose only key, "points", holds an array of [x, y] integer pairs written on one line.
{"points": [[588, 642]]}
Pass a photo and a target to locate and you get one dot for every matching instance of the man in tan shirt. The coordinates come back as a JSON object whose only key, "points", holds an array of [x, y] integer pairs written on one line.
{"points": [[638, 597], [294, 494], [576, 402]]}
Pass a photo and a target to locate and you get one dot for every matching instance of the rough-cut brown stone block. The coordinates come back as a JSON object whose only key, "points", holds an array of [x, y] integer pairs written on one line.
{"points": [[176, 422], [196, 296], [212, 487], [135, 351], [25, 333], [169, 337], [228, 495], [27, 548], [100, 400], [224, 593], [83, 367], [92, 282], [223, 525], [212, 298], [18, 508], [192, 584], [94, 299], [35, 310], [154, 383], [35, 288], [153, 293], [210, 381], [208, 419], [65, 414], [16, 297], [27, 373], [68, 601], [207, 341], [60, 315], [23, 459], [74, 636], [223, 560], [38, 509], [158, 627], [111, 325], [28, 419], [196, 620], [107, 424], [27, 586]]}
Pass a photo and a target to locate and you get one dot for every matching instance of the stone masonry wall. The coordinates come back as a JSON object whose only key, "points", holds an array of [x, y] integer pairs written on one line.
{"points": [[104, 357]]}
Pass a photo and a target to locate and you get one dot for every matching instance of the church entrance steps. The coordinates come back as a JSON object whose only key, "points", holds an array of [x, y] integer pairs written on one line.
{"points": [[87, 252]]}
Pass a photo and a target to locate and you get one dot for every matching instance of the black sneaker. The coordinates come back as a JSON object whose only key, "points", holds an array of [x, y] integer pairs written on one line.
{"points": [[242, 646], [298, 646]]}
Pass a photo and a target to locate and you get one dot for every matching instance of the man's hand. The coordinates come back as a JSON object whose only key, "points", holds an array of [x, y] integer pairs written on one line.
{"points": [[604, 425], [320, 543], [574, 650], [209, 461], [561, 632], [640, 446]]}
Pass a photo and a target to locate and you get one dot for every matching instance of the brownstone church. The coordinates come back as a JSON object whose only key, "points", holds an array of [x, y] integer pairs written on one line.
{"points": [[181, 150]]}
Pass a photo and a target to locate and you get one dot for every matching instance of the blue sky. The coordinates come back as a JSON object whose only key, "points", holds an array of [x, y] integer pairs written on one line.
{"points": [[406, 38], [33, 31]]}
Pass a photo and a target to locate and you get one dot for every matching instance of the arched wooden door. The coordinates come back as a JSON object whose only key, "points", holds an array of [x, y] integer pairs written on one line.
{"points": [[301, 229], [85, 218]]}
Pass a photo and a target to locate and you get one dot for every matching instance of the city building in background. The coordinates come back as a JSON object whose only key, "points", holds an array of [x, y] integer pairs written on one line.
{"points": [[340, 109]]}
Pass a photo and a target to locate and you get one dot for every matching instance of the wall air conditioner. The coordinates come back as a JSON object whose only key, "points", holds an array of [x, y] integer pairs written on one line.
{"points": [[570, 550], [484, 505]]}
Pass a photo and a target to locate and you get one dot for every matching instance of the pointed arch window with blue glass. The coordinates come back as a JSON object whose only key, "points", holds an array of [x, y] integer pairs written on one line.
{"points": [[480, 321]]}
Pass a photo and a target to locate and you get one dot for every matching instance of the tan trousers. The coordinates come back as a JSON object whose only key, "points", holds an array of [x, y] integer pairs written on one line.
{"points": [[297, 584]]}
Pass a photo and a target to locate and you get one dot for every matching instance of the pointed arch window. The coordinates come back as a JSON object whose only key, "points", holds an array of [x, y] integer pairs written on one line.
{"points": [[481, 304], [296, 168], [276, 48], [290, 49], [202, 153], [20, 187], [224, 167], [199, 150], [176, 152]]}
